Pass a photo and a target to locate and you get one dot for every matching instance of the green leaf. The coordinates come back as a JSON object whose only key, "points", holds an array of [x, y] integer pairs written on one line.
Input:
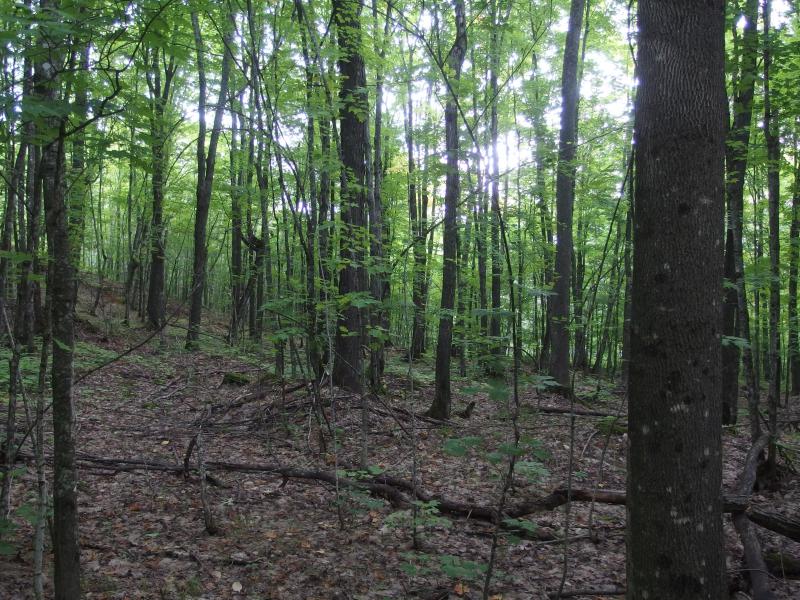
{"points": [[521, 524], [460, 446], [7, 549]]}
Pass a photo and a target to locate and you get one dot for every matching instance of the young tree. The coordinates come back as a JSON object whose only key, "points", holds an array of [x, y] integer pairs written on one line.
{"points": [[440, 408], [206, 164], [61, 284], [565, 195], [736, 318], [160, 69], [773, 194], [674, 545]]}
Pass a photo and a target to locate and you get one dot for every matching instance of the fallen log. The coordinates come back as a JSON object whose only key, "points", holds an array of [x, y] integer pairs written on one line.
{"points": [[754, 559], [581, 412], [402, 493], [606, 590]]}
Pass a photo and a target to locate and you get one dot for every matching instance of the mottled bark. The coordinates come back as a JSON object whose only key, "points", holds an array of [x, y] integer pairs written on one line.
{"points": [[675, 543]]}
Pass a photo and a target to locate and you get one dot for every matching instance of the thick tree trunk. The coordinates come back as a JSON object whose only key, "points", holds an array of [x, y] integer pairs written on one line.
{"points": [[440, 408], [674, 547], [565, 193], [353, 281]]}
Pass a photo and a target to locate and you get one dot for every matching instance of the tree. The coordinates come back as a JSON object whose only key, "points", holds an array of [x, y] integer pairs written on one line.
{"points": [[736, 318], [61, 284], [565, 194], [440, 408], [206, 164], [353, 282], [160, 70], [674, 545]]}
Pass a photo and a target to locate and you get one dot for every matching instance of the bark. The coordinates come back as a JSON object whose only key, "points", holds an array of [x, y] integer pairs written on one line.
{"points": [[440, 407], [313, 353], [160, 89], [794, 260], [417, 231], [495, 346], [736, 320], [756, 567], [353, 281], [545, 223], [238, 279], [61, 285], [206, 164], [774, 187], [674, 547], [565, 194], [379, 283]]}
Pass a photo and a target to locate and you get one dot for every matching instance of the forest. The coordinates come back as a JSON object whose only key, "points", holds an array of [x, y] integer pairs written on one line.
{"points": [[436, 299]]}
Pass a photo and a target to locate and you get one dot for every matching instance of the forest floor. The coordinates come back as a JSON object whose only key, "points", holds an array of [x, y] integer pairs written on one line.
{"points": [[142, 530]]}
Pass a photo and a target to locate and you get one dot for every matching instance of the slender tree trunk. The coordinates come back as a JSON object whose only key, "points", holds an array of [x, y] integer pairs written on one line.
{"points": [[626, 311], [237, 187], [674, 546], [582, 321], [774, 186], [206, 163], [565, 193], [440, 408], [61, 287], [794, 258], [160, 94], [416, 227], [736, 163], [493, 366], [545, 222], [379, 283]]}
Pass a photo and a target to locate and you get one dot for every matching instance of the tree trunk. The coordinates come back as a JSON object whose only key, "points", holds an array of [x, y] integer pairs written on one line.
{"points": [[440, 408], [565, 193], [674, 548], [160, 93], [347, 364], [773, 187], [736, 162], [61, 287], [493, 366], [206, 163], [379, 283], [794, 258]]}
